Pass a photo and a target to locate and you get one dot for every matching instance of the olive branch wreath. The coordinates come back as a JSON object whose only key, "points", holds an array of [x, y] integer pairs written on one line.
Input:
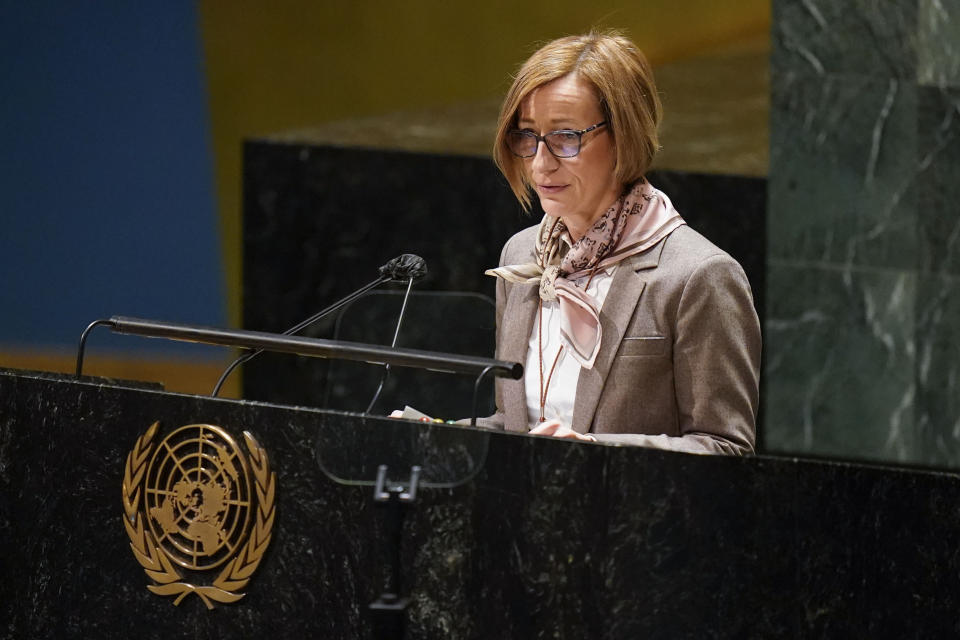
{"points": [[158, 566]]}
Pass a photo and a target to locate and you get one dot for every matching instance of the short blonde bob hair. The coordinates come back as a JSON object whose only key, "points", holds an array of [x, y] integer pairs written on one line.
{"points": [[623, 80]]}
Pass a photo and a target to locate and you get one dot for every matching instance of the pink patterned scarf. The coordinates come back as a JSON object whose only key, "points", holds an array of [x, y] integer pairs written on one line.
{"points": [[639, 219]]}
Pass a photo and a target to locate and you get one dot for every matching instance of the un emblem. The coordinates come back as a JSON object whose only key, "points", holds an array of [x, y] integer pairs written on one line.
{"points": [[194, 503]]}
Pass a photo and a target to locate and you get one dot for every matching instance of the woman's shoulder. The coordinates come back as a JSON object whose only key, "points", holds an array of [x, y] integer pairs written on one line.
{"points": [[688, 256], [687, 247], [520, 247]]}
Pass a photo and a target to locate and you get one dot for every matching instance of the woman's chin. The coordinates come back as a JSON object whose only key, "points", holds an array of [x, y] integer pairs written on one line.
{"points": [[553, 207]]}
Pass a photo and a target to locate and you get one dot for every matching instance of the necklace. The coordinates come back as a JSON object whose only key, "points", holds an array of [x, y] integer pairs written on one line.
{"points": [[545, 386]]}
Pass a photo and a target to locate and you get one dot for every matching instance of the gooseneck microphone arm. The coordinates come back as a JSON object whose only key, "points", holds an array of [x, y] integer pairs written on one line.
{"points": [[246, 357], [402, 267]]}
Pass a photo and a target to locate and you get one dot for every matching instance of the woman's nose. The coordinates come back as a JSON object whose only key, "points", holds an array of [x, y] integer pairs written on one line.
{"points": [[543, 160]]}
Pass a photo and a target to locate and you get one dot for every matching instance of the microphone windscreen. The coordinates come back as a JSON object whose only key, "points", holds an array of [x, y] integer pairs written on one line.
{"points": [[404, 267]]}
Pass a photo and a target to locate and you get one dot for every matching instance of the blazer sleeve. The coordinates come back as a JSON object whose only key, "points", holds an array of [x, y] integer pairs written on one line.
{"points": [[716, 362]]}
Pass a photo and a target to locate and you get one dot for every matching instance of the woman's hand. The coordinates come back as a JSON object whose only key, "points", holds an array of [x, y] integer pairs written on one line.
{"points": [[557, 429]]}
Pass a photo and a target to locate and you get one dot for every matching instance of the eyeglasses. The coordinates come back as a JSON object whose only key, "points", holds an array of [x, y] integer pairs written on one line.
{"points": [[564, 143]]}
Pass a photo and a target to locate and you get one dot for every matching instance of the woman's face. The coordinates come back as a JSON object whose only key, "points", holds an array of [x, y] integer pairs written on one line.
{"points": [[578, 189]]}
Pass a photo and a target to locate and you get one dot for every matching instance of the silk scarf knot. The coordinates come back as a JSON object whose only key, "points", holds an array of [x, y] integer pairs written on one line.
{"points": [[639, 219]]}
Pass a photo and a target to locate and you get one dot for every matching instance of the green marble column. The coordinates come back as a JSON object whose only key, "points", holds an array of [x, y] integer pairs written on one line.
{"points": [[862, 341]]}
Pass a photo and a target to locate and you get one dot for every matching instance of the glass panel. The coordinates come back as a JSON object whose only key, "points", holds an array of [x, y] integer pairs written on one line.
{"points": [[449, 455], [452, 322]]}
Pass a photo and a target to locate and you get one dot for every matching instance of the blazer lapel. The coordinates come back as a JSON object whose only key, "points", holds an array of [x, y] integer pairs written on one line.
{"points": [[615, 315], [518, 316]]}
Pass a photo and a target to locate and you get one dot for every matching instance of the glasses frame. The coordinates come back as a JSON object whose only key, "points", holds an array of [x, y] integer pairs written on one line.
{"points": [[543, 139]]}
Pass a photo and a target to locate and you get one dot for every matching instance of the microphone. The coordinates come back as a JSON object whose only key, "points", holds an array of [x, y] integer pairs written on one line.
{"points": [[404, 267]]}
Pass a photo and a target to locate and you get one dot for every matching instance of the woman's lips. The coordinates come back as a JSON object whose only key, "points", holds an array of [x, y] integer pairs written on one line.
{"points": [[550, 189]]}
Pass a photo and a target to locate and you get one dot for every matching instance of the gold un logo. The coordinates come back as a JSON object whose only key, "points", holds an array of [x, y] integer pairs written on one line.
{"points": [[193, 504]]}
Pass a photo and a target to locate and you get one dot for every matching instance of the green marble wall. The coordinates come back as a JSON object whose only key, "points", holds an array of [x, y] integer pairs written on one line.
{"points": [[862, 332]]}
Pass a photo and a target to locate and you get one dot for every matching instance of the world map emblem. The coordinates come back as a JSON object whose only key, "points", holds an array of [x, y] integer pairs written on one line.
{"points": [[194, 503]]}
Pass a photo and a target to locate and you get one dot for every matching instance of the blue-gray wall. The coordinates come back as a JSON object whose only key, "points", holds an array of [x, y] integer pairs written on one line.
{"points": [[106, 187]]}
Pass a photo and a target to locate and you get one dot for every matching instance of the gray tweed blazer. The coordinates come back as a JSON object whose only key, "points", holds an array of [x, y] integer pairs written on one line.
{"points": [[679, 364]]}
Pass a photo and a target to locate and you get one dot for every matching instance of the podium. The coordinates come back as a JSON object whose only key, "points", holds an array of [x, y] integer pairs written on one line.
{"points": [[509, 535]]}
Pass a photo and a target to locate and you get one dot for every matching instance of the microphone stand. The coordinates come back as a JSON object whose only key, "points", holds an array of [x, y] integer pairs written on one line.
{"points": [[403, 266], [302, 325], [396, 333]]}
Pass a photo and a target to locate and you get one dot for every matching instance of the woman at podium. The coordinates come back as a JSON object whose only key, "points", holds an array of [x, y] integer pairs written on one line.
{"points": [[632, 327]]}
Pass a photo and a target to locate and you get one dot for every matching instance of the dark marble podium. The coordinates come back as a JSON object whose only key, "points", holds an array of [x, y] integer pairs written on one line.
{"points": [[518, 536]]}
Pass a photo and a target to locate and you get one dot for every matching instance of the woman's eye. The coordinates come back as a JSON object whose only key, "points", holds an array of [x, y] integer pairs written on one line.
{"points": [[562, 137]]}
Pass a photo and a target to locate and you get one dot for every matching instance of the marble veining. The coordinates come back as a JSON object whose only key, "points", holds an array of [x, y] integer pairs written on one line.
{"points": [[859, 37], [843, 189], [840, 347], [939, 179], [939, 43], [863, 232]]}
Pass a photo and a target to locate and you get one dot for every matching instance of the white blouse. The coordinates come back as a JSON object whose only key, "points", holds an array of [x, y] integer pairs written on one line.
{"points": [[563, 385]]}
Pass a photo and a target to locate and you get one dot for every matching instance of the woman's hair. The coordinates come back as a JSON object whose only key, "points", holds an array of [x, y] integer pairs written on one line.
{"points": [[623, 80]]}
